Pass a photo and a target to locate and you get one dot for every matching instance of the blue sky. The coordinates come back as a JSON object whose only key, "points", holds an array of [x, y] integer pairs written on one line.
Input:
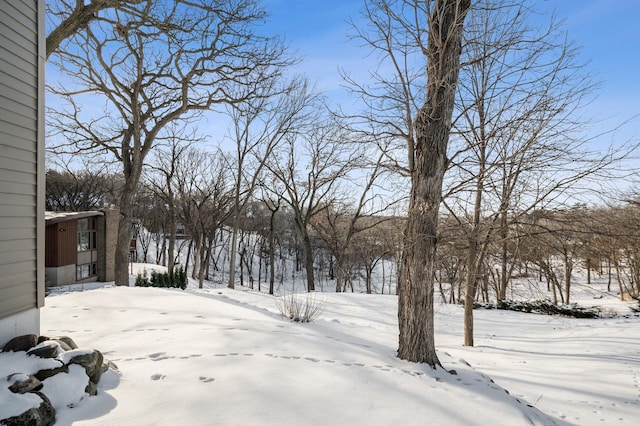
{"points": [[607, 31]]}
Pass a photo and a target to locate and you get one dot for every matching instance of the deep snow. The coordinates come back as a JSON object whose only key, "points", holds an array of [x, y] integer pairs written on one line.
{"points": [[226, 357]]}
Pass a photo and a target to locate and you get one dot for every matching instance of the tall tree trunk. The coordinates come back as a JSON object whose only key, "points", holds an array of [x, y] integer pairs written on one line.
{"points": [[617, 264], [308, 261], [568, 268], [471, 283], [197, 254], [272, 250], [132, 171], [504, 279], [236, 224], [188, 257], [172, 238], [232, 261], [427, 162], [340, 276]]}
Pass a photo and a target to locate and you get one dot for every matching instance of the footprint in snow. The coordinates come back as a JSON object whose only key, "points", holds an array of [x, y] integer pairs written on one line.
{"points": [[159, 356], [206, 379], [157, 376]]}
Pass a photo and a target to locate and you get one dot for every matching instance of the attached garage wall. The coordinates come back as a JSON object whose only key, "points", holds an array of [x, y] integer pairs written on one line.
{"points": [[22, 58]]}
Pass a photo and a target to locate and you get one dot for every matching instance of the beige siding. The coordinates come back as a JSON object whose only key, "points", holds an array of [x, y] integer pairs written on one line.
{"points": [[21, 156]]}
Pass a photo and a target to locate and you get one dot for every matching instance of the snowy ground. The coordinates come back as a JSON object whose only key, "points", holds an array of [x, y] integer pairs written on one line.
{"points": [[225, 357]]}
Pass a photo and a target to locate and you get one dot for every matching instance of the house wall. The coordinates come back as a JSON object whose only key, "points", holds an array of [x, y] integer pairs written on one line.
{"points": [[22, 58], [60, 275], [61, 244], [61, 253]]}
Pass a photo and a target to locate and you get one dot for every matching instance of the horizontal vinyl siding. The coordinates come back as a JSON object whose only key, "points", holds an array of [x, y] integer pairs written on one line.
{"points": [[17, 269], [12, 305], [20, 153]]}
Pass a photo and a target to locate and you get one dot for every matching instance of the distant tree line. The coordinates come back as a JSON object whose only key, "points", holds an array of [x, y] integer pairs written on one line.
{"points": [[543, 247]]}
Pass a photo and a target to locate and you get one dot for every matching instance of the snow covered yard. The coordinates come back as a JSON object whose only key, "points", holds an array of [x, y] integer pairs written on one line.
{"points": [[224, 357]]}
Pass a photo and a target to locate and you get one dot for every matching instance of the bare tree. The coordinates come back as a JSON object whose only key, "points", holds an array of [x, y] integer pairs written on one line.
{"points": [[168, 61], [517, 144], [310, 168], [162, 179], [427, 163], [343, 220], [204, 200], [67, 18], [80, 190], [616, 241], [260, 124], [420, 44], [375, 243]]}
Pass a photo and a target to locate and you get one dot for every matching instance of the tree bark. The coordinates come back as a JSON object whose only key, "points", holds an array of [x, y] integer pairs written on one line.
{"points": [[470, 290], [432, 128], [132, 171], [308, 261]]}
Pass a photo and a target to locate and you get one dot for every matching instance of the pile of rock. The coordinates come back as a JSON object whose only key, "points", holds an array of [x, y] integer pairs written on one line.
{"points": [[55, 355]]}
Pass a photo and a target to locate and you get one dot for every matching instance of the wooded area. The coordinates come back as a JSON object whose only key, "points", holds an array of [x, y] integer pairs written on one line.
{"points": [[464, 168]]}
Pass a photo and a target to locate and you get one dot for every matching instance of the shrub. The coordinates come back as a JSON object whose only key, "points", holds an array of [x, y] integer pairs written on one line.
{"points": [[176, 278], [180, 277], [142, 280], [299, 308]]}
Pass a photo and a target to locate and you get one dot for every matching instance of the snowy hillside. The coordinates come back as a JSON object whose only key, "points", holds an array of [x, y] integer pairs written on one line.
{"points": [[225, 357]]}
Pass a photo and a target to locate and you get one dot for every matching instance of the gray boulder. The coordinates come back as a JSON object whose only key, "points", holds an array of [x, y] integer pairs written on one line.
{"points": [[47, 349], [21, 343], [48, 372], [29, 384], [92, 363], [66, 342], [42, 415]]}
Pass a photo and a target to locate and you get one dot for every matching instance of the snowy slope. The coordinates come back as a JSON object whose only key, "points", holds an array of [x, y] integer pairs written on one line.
{"points": [[224, 357]]}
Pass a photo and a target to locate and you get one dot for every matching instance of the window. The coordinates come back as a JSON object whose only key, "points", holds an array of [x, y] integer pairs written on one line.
{"points": [[86, 271], [87, 245], [87, 235]]}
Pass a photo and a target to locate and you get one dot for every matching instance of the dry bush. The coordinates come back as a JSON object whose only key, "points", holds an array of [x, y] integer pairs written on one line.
{"points": [[300, 308]]}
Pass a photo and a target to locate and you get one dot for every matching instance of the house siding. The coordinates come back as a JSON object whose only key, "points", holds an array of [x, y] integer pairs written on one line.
{"points": [[61, 243], [22, 58]]}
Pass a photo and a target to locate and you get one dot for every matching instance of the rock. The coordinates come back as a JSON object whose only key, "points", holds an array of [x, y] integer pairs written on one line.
{"points": [[67, 341], [21, 343], [46, 349], [46, 373], [42, 415], [63, 345], [91, 389], [24, 384], [92, 363], [63, 352], [107, 364]]}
